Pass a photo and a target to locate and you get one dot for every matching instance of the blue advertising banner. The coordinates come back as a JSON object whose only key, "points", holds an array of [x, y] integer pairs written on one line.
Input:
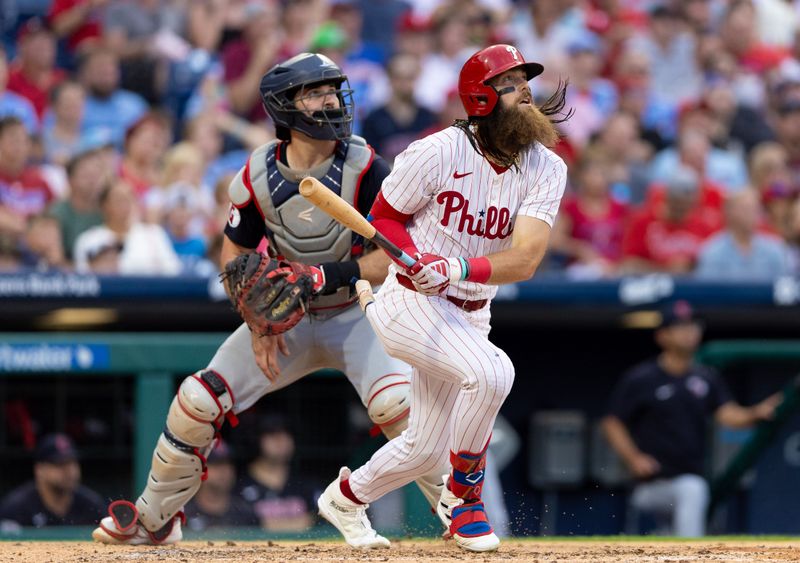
{"points": [[54, 357]]}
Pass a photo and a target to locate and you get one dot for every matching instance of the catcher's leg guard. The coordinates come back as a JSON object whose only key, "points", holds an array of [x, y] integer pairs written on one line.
{"points": [[201, 405], [388, 407]]}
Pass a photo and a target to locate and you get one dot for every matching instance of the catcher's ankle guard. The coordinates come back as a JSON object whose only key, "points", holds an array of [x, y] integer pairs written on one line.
{"points": [[124, 515]]}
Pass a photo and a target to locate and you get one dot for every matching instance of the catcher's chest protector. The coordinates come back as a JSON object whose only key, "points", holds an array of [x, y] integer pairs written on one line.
{"points": [[298, 230]]}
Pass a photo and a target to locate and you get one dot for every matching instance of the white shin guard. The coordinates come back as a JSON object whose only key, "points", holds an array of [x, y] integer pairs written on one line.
{"points": [[197, 412]]}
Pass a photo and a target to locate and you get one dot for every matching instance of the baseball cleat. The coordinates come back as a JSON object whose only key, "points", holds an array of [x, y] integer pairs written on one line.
{"points": [[348, 517], [467, 522], [122, 527]]}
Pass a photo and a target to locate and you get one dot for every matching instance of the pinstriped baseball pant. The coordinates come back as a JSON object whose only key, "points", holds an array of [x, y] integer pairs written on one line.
{"points": [[458, 384]]}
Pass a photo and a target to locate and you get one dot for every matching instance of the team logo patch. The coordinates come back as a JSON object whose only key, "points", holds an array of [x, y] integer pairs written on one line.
{"points": [[697, 386], [474, 478], [234, 217]]}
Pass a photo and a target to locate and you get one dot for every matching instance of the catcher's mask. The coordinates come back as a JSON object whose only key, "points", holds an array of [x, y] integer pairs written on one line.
{"points": [[282, 82], [478, 97]]}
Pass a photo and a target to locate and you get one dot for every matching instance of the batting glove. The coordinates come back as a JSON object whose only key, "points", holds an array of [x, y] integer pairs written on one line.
{"points": [[430, 274]]}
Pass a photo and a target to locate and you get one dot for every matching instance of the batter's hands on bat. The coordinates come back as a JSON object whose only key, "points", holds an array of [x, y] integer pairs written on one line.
{"points": [[265, 349], [430, 274]]}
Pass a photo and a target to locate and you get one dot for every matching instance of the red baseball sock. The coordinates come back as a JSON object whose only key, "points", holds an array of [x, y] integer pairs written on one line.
{"points": [[344, 486]]}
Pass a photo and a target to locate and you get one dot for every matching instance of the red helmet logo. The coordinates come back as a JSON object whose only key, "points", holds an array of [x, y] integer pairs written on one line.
{"points": [[478, 97]]}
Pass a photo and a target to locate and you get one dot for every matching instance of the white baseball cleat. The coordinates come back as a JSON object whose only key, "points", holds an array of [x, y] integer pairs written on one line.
{"points": [[470, 529], [348, 517], [122, 527]]}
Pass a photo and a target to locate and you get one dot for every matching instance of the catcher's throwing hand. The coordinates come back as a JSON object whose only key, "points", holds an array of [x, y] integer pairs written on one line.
{"points": [[271, 296], [265, 349]]}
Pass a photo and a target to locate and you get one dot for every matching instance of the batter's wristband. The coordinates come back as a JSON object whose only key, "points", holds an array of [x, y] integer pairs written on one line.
{"points": [[339, 274], [480, 269], [464, 268]]}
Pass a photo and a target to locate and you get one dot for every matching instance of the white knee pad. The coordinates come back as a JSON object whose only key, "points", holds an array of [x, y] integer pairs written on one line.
{"points": [[197, 412], [199, 408], [389, 404]]}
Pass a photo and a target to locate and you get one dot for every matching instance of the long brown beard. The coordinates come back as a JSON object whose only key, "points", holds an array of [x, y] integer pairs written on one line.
{"points": [[514, 129], [506, 132]]}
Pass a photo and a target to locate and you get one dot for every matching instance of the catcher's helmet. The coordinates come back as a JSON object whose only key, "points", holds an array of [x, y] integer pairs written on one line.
{"points": [[280, 84], [478, 97]]}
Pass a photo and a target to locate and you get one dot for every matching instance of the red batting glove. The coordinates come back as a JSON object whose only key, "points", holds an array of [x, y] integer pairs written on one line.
{"points": [[430, 274]]}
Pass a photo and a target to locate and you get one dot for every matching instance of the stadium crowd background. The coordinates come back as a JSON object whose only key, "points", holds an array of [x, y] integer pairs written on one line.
{"points": [[123, 121]]}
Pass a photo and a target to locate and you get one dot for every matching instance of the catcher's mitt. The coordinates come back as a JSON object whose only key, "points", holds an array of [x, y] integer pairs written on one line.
{"points": [[270, 296]]}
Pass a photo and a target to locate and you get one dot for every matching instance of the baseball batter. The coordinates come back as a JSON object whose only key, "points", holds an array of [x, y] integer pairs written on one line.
{"points": [[475, 204], [310, 102]]}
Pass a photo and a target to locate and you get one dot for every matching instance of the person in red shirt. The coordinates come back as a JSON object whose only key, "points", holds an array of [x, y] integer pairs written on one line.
{"points": [[77, 21], [246, 59], [739, 34], [145, 144], [33, 72], [23, 190], [693, 153], [591, 224], [667, 238]]}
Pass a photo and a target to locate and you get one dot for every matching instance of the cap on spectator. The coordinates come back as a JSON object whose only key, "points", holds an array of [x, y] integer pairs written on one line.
{"points": [[683, 182], [272, 424], [104, 242], [94, 140], [343, 5], [788, 106], [584, 42], [55, 448], [412, 23], [91, 142], [688, 108], [181, 195], [31, 27], [221, 453], [677, 312], [328, 36], [662, 11]]}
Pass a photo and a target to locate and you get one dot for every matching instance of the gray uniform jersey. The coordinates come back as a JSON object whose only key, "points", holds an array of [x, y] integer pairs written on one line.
{"points": [[336, 335]]}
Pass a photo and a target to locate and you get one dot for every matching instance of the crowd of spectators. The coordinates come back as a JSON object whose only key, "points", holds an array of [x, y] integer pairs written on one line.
{"points": [[121, 121]]}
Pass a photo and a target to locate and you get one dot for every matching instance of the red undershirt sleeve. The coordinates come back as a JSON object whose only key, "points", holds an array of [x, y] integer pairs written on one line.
{"points": [[392, 224]]}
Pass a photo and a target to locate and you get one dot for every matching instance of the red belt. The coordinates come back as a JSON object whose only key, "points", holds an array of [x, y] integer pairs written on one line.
{"points": [[467, 305]]}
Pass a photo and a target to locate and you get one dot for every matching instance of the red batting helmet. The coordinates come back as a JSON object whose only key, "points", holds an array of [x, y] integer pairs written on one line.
{"points": [[478, 97]]}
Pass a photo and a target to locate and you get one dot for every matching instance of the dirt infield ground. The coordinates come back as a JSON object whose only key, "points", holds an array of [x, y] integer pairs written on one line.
{"points": [[541, 551]]}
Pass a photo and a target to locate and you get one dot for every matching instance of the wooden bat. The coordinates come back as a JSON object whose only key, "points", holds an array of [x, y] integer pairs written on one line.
{"points": [[318, 194]]}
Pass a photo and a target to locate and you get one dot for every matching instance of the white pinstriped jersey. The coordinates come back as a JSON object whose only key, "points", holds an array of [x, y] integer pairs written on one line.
{"points": [[462, 207]]}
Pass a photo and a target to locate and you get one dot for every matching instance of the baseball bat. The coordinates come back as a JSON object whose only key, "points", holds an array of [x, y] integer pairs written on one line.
{"points": [[318, 194]]}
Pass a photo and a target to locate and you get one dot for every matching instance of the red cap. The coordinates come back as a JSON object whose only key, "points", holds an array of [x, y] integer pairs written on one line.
{"points": [[410, 22], [31, 27]]}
